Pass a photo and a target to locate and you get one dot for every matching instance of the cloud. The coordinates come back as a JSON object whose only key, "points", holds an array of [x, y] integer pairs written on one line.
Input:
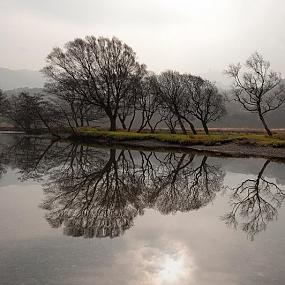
{"points": [[186, 35]]}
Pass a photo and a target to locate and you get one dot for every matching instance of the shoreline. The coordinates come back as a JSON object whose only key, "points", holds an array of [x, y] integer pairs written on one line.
{"points": [[228, 149]]}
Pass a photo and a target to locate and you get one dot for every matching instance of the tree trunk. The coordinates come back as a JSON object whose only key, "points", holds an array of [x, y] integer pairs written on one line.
{"points": [[181, 125], [143, 123], [132, 121], [141, 127], [47, 125], [172, 129], [191, 126], [81, 118], [205, 127], [265, 125], [151, 127], [122, 120], [113, 124], [171, 126]]}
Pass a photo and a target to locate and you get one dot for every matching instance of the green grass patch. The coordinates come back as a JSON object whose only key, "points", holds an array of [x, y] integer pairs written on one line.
{"points": [[189, 139]]}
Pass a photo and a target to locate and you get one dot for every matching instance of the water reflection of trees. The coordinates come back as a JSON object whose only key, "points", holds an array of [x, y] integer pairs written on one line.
{"points": [[255, 202], [97, 192], [184, 183], [96, 200], [103, 199], [2, 165], [34, 157]]}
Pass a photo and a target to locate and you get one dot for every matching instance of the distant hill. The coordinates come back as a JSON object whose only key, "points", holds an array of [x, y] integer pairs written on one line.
{"points": [[12, 79], [28, 90]]}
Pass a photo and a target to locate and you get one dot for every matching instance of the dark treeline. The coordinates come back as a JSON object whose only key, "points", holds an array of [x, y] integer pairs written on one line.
{"points": [[97, 192], [95, 78]]}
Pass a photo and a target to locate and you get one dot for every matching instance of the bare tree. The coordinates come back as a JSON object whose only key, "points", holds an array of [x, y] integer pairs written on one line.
{"points": [[169, 119], [148, 103], [173, 97], [204, 100], [127, 109], [49, 114], [20, 110], [75, 108], [259, 90], [100, 70], [32, 113]]}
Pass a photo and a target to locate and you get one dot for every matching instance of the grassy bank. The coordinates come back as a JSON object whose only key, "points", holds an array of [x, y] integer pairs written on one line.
{"points": [[216, 138]]}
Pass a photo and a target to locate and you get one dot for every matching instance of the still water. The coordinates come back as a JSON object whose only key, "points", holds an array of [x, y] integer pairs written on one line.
{"points": [[75, 214]]}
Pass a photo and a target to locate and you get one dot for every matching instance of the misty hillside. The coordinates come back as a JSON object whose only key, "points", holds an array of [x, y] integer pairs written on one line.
{"points": [[238, 118], [17, 91], [12, 79]]}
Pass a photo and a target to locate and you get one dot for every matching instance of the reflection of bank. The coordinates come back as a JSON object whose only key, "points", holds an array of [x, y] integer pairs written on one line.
{"points": [[255, 202]]}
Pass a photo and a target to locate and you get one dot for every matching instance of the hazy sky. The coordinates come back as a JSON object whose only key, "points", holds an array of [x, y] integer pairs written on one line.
{"points": [[196, 36]]}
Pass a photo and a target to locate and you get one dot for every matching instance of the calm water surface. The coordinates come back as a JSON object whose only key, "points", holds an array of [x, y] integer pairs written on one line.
{"points": [[73, 214]]}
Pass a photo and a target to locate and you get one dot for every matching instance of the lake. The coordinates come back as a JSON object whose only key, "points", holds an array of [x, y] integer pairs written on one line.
{"points": [[79, 214]]}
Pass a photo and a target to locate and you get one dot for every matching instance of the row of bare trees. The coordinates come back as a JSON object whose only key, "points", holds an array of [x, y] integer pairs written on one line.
{"points": [[104, 74], [95, 78]]}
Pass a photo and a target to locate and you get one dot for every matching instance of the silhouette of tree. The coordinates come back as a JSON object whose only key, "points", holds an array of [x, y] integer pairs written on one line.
{"points": [[20, 110], [255, 203], [99, 200], [173, 97], [31, 112], [73, 106], [184, 186], [102, 71], [259, 90], [205, 103], [148, 103]]}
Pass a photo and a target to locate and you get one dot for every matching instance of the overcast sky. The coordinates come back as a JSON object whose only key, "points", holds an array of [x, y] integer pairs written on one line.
{"points": [[194, 36]]}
